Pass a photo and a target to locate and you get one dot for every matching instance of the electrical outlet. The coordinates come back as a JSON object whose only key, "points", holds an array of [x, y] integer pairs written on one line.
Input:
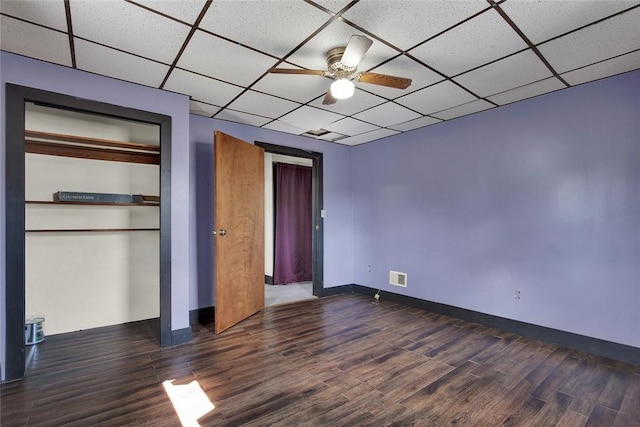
{"points": [[368, 268], [517, 294]]}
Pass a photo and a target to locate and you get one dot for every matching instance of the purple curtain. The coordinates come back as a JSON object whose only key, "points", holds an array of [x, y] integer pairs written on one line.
{"points": [[293, 224]]}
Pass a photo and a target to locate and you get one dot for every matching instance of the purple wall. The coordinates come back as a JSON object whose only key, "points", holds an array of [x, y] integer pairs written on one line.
{"points": [[338, 235], [41, 75], [541, 196]]}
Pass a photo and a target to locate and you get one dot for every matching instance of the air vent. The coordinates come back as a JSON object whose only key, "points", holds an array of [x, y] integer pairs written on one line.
{"points": [[316, 133], [397, 279]]}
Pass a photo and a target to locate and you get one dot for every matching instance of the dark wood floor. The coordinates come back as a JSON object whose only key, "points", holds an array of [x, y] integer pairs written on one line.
{"points": [[340, 361]]}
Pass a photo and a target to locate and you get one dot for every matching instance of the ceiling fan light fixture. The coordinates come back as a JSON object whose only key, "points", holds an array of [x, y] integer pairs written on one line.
{"points": [[342, 89]]}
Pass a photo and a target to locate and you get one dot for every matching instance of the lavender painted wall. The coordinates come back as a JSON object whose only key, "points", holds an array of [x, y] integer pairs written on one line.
{"points": [[338, 236], [541, 196], [41, 75]]}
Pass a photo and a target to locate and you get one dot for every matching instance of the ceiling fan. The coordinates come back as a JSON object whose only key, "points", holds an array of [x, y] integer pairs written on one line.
{"points": [[342, 64]]}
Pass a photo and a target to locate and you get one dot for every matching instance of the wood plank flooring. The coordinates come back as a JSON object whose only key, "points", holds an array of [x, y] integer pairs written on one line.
{"points": [[337, 361]]}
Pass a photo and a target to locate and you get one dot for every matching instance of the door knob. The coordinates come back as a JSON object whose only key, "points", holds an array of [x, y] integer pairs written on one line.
{"points": [[222, 232]]}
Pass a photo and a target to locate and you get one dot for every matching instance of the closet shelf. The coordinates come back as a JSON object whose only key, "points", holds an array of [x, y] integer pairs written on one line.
{"points": [[92, 230], [45, 202], [54, 144]]}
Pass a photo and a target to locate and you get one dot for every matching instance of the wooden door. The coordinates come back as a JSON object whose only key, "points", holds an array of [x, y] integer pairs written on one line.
{"points": [[239, 230]]}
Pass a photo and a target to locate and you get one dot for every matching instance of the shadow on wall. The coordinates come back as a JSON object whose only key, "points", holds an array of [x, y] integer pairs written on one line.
{"points": [[204, 223]]}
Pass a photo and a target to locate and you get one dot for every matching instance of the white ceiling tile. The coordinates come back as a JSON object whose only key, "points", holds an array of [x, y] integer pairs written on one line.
{"points": [[350, 126], [620, 64], [333, 5], [403, 66], [223, 60], [360, 101], [464, 109], [48, 13], [527, 91], [478, 41], [201, 88], [123, 25], [312, 55], [285, 127], [367, 137], [274, 27], [245, 118], [295, 87], [415, 124], [540, 21], [184, 10], [407, 23], [34, 41], [310, 118], [387, 114], [263, 105], [113, 63], [436, 98], [202, 109], [514, 71], [595, 43]]}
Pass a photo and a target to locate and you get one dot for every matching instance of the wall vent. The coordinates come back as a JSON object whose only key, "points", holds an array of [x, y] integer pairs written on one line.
{"points": [[397, 279]]}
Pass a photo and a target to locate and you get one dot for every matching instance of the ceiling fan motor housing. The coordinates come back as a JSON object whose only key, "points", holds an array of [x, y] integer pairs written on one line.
{"points": [[335, 66]]}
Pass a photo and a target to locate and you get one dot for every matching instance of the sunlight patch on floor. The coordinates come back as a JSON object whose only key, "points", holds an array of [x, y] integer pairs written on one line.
{"points": [[189, 401]]}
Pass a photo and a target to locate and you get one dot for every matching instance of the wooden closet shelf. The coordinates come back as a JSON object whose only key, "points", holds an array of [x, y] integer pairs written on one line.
{"points": [[91, 141], [93, 230], [45, 202]]}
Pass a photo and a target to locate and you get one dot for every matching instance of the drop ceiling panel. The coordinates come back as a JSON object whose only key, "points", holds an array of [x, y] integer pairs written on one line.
{"points": [[436, 98], [527, 91], [464, 109], [124, 25], [310, 118], [48, 13], [273, 30], [201, 88], [333, 5], [476, 42], [213, 57], [403, 66], [186, 11], [312, 54], [113, 63], [367, 137], [387, 114], [202, 109], [595, 43], [350, 126], [263, 105], [34, 41], [360, 101], [299, 88], [514, 71], [541, 21], [617, 65], [415, 124], [284, 127], [240, 117], [407, 23]]}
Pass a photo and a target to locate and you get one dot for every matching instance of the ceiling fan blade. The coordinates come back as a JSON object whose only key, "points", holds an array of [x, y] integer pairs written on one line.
{"points": [[296, 71], [384, 80], [355, 50], [329, 99]]}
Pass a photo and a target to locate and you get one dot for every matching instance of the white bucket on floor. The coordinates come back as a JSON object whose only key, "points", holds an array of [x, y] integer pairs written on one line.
{"points": [[33, 330]]}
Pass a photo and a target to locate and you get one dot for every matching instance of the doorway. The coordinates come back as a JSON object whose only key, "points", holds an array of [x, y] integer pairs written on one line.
{"points": [[16, 99], [315, 287]]}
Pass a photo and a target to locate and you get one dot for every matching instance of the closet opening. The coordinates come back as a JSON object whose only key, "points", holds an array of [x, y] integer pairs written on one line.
{"points": [[87, 218]]}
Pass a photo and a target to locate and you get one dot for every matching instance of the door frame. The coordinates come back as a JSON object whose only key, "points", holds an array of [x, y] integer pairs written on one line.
{"points": [[15, 98], [317, 252]]}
